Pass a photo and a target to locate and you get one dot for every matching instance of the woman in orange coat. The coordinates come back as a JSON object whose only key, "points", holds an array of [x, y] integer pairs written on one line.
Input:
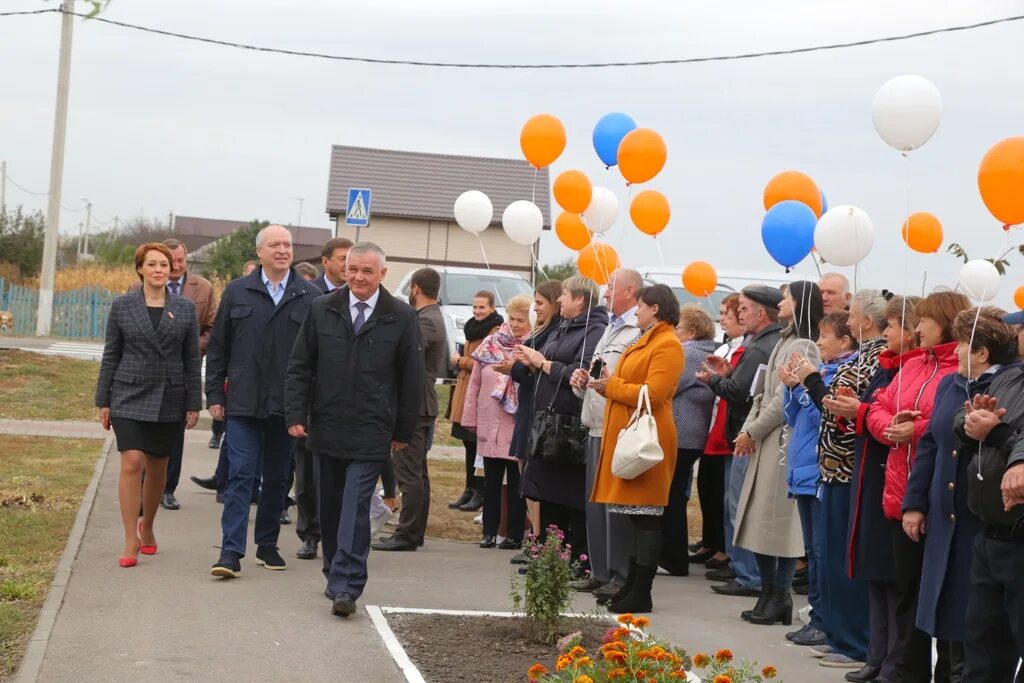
{"points": [[655, 359]]}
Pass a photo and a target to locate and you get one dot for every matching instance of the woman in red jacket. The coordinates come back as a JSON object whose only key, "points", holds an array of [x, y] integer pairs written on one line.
{"points": [[898, 419]]}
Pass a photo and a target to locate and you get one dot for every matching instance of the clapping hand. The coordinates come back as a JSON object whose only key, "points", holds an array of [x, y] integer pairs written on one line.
{"points": [[1013, 486], [718, 365], [788, 377], [901, 430], [844, 404], [982, 417], [799, 366]]}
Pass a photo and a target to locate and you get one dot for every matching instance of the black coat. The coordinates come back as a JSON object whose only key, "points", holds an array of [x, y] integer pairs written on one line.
{"points": [[251, 341], [735, 389], [360, 391], [525, 380], [570, 347], [937, 486]]}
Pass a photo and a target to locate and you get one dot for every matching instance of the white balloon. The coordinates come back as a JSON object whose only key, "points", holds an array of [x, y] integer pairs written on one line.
{"points": [[523, 222], [980, 280], [844, 235], [602, 211], [906, 112], [473, 211]]}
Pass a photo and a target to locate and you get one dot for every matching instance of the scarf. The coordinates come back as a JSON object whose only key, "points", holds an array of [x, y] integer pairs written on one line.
{"points": [[496, 348], [478, 329]]}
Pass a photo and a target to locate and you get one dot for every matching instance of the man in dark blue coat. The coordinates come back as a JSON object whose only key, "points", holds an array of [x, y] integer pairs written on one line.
{"points": [[255, 328], [355, 378]]}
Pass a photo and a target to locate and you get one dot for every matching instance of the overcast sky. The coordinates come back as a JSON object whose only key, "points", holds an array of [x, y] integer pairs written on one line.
{"points": [[158, 124]]}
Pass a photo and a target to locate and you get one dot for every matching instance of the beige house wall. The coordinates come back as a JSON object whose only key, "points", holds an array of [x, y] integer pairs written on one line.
{"points": [[436, 243]]}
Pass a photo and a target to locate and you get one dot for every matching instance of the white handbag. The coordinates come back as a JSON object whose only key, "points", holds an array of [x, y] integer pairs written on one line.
{"points": [[637, 449]]}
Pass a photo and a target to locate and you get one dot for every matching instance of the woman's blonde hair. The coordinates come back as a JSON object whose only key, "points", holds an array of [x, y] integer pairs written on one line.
{"points": [[579, 286], [696, 321], [519, 304]]}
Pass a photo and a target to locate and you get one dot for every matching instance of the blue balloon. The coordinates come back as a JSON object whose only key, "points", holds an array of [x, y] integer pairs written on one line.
{"points": [[824, 203], [608, 133], [788, 232]]}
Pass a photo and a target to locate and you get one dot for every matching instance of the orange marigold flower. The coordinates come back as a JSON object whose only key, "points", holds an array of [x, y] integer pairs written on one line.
{"points": [[576, 652], [617, 673], [615, 656], [700, 660], [582, 661], [678, 675], [723, 656], [640, 675], [614, 645], [583, 679], [536, 671], [769, 672], [562, 662], [621, 633], [641, 622], [721, 678], [625, 619]]}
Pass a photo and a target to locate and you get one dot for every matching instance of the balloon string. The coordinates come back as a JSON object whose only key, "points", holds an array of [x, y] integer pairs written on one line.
{"points": [[906, 274], [539, 266], [487, 263], [622, 235], [817, 265], [660, 253], [533, 193]]}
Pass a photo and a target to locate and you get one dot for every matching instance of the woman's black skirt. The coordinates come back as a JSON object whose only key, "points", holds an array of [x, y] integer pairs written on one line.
{"points": [[159, 439]]}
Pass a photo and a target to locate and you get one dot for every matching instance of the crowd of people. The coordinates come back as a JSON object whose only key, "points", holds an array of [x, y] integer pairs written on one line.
{"points": [[864, 448]]}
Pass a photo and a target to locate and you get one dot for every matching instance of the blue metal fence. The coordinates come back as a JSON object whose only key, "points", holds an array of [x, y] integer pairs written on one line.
{"points": [[77, 314]]}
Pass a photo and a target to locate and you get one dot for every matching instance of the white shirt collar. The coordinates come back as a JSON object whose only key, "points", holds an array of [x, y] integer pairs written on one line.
{"points": [[329, 284], [371, 303], [627, 318], [266, 280]]}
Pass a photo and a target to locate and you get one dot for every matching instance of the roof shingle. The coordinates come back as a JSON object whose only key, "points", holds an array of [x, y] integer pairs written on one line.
{"points": [[425, 186]]}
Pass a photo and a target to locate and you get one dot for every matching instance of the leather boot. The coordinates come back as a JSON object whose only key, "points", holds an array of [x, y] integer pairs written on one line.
{"points": [[779, 608], [461, 500], [762, 600], [474, 504], [648, 553], [626, 587]]}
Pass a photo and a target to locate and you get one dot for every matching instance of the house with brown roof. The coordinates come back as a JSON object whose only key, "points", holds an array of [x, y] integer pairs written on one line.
{"points": [[411, 210]]}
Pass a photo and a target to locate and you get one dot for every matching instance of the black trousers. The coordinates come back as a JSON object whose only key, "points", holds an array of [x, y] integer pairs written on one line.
{"points": [[711, 492], [995, 612], [497, 470], [472, 481], [913, 652], [307, 526], [174, 465], [217, 427], [410, 467], [572, 522], [675, 555]]}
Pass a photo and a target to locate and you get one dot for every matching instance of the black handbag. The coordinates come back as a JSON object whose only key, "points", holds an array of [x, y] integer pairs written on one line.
{"points": [[558, 439]]}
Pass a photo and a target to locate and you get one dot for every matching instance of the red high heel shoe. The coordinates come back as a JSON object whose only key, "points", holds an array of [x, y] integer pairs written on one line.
{"points": [[145, 549], [128, 561]]}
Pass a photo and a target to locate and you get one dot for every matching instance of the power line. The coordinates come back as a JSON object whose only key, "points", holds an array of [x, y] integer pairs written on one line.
{"points": [[590, 65], [27, 191]]}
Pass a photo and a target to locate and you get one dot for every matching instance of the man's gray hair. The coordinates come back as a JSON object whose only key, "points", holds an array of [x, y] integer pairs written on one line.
{"points": [[873, 305], [259, 235], [363, 248], [629, 276], [838, 276]]}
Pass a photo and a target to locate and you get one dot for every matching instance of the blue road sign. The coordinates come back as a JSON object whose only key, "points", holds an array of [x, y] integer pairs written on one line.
{"points": [[357, 212]]}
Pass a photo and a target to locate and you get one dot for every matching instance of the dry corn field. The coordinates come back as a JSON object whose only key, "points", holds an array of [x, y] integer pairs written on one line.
{"points": [[115, 279]]}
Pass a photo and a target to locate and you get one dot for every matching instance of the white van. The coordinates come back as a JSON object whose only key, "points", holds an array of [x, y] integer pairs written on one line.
{"points": [[459, 285]]}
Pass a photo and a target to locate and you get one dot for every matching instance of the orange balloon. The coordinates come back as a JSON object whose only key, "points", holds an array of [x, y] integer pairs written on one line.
{"points": [[641, 155], [542, 140], [793, 185], [700, 278], [598, 261], [1001, 181], [924, 233], [650, 212], [573, 191], [571, 231], [1018, 297]]}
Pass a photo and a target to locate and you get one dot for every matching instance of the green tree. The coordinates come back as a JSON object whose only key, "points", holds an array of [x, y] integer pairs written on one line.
{"points": [[21, 240], [229, 253], [557, 271]]}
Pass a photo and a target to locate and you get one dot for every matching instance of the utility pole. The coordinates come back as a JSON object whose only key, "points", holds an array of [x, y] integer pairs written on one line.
{"points": [[44, 314], [116, 221], [3, 186]]}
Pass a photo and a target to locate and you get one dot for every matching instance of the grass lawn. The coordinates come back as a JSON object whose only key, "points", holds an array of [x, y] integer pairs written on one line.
{"points": [[42, 480], [38, 387]]}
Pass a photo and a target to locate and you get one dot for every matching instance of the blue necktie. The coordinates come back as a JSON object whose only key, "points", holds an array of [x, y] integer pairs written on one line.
{"points": [[360, 316], [173, 286]]}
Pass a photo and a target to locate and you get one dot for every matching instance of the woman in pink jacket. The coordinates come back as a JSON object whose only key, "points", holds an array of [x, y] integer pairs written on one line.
{"points": [[898, 418], [490, 408]]}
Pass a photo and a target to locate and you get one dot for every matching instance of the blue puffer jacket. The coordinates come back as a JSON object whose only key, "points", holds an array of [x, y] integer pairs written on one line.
{"points": [[803, 420]]}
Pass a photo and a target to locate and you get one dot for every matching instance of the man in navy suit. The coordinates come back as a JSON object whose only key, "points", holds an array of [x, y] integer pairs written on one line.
{"points": [[256, 325], [333, 256]]}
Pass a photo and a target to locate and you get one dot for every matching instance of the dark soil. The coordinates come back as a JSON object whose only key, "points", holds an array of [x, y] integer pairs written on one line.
{"points": [[482, 649]]}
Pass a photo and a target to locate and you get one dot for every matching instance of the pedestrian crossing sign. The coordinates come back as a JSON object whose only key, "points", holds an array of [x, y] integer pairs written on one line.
{"points": [[357, 212]]}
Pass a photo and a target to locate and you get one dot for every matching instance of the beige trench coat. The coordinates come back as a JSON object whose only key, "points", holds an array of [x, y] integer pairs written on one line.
{"points": [[767, 520]]}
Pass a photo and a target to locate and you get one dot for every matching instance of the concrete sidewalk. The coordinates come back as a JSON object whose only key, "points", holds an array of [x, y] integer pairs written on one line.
{"points": [[169, 620]]}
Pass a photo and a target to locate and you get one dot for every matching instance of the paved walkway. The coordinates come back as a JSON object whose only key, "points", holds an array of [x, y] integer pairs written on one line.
{"points": [[69, 429], [169, 620]]}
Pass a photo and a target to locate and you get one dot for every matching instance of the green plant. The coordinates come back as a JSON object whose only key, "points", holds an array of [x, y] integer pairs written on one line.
{"points": [[628, 654], [556, 271], [229, 253], [21, 240], [545, 595]]}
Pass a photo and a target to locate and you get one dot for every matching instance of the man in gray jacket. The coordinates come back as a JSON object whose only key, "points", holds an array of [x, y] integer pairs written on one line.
{"points": [[608, 546]]}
